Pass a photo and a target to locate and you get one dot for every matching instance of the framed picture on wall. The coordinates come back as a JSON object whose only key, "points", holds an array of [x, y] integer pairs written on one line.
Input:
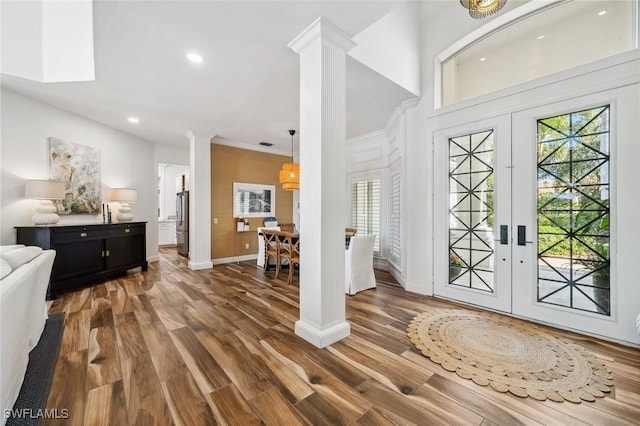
{"points": [[253, 200], [78, 167]]}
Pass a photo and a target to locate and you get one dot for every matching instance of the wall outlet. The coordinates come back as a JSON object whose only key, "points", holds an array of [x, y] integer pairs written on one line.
{"points": [[246, 246], [215, 220]]}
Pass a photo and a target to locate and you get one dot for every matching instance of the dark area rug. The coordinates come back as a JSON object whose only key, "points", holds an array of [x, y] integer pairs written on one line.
{"points": [[30, 405]]}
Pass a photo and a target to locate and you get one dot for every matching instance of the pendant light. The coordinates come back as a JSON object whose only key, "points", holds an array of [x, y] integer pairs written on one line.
{"points": [[290, 172]]}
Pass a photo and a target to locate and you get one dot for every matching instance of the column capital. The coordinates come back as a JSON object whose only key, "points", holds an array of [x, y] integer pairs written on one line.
{"points": [[191, 135], [322, 30]]}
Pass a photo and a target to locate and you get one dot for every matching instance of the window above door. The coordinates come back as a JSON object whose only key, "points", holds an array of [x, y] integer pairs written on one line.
{"points": [[533, 41]]}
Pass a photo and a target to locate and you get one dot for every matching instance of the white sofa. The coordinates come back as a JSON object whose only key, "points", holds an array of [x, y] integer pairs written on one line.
{"points": [[25, 273]]}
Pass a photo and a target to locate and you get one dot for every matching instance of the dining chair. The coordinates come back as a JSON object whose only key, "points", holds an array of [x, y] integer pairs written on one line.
{"points": [[287, 227], [290, 250], [350, 231], [271, 249], [358, 264], [261, 245]]}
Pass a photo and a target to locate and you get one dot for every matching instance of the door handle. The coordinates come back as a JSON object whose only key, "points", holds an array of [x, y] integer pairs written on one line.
{"points": [[504, 234], [522, 236]]}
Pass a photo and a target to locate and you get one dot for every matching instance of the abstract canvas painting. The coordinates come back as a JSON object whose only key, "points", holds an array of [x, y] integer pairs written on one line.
{"points": [[78, 166]]}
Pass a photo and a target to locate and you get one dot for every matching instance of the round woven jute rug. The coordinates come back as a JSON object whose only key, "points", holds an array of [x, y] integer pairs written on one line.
{"points": [[510, 355]]}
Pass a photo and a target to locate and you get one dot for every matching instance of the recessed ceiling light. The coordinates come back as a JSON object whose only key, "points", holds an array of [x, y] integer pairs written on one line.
{"points": [[134, 120], [541, 36], [196, 58], [483, 59], [602, 12]]}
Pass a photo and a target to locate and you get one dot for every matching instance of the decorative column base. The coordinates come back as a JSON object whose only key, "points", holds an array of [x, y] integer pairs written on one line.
{"points": [[322, 338]]}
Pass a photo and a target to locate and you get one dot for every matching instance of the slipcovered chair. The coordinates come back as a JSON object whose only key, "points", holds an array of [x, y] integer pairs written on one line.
{"points": [[358, 264]]}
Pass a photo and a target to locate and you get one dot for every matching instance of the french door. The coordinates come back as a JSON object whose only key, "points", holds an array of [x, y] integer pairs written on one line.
{"points": [[473, 213], [524, 220]]}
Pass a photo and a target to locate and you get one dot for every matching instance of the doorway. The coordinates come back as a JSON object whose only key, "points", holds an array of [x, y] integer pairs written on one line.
{"points": [[168, 175], [527, 218]]}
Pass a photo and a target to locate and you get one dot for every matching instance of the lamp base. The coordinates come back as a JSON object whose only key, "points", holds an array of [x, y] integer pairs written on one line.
{"points": [[124, 214], [45, 214]]}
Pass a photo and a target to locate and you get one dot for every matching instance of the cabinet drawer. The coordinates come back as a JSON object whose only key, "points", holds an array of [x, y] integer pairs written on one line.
{"points": [[124, 230], [78, 233]]}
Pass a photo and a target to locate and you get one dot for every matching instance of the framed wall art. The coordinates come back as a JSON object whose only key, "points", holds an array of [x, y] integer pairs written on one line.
{"points": [[78, 166], [253, 200]]}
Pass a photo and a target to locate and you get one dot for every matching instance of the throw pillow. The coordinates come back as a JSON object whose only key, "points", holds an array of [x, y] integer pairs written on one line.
{"points": [[18, 257]]}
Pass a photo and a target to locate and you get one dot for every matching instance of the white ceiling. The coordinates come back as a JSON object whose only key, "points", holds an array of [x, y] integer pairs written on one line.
{"points": [[245, 91]]}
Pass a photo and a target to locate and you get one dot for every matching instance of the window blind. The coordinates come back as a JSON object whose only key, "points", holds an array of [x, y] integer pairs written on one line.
{"points": [[365, 209]]}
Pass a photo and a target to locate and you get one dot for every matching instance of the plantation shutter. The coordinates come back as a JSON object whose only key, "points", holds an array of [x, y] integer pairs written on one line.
{"points": [[394, 221], [365, 209]]}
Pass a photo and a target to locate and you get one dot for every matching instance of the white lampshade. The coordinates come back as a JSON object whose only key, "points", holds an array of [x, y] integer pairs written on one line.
{"points": [[44, 190], [124, 195]]}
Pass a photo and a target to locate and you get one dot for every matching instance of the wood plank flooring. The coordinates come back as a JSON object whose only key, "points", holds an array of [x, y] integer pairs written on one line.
{"points": [[175, 346]]}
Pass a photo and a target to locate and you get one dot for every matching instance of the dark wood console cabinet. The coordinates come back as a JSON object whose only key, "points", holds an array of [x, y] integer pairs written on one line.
{"points": [[88, 253]]}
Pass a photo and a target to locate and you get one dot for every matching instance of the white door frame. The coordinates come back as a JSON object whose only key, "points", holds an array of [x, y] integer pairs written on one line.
{"points": [[500, 298]]}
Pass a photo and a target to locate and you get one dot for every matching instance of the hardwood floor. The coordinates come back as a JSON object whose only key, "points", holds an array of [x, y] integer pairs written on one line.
{"points": [[175, 346]]}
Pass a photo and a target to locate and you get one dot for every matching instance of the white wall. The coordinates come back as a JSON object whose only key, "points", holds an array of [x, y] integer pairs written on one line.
{"points": [[127, 161], [391, 46], [171, 154]]}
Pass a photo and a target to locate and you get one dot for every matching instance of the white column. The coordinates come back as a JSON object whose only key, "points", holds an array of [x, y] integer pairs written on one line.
{"points": [[322, 48], [199, 201]]}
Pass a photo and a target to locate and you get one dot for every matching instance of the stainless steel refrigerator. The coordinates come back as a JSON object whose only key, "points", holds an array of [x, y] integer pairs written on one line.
{"points": [[182, 223]]}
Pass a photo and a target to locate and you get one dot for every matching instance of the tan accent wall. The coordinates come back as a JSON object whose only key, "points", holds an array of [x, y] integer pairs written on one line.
{"points": [[229, 165]]}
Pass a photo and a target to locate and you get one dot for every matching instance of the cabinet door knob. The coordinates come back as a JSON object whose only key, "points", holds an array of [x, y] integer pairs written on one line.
{"points": [[108, 253], [127, 230], [83, 234]]}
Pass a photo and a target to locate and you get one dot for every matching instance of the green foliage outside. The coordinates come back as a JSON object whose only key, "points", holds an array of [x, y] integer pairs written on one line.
{"points": [[573, 188]]}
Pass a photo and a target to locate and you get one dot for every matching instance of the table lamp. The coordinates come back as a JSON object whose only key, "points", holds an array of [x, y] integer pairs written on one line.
{"points": [[45, 191], [124, 196]]}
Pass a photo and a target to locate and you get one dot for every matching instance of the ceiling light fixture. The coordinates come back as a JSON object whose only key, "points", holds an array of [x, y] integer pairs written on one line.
{"points": [[541, 36], [134, 120], [479, 9], [196, 58], [290, 172], [602, 12], [483, 59]]}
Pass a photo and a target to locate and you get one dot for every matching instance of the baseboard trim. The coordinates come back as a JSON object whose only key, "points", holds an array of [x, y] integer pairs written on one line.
{"points": [[398, 276], [322, 338], [234, 259], [418, 289], [153, 259], [196, 266]]}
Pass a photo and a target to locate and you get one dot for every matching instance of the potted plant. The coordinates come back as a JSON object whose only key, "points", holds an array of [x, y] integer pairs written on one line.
{"points": [[456, 266], [597, 266], [597, 262]]}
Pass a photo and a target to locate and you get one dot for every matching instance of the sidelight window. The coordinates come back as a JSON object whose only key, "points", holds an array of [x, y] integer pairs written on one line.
{"points": [[471, 252]]}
